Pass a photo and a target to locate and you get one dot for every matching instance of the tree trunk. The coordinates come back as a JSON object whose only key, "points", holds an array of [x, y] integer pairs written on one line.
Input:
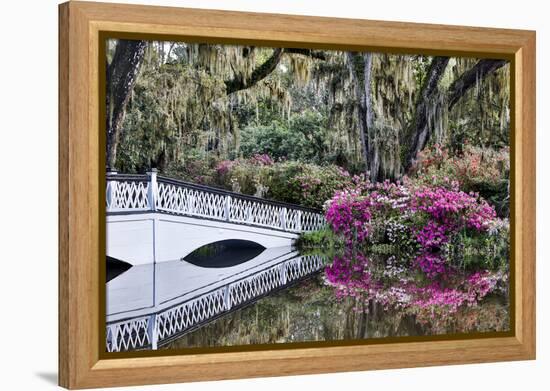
{"points": [[121, 76], [372, 159], [363, 321], [420, 132], [361, 82]]}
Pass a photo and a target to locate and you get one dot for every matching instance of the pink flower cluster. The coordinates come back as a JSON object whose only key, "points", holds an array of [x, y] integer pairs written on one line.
{"points": [[432, 264], [351, 275], [225, 166], [465, 292], [453, 208], [349, 215], [432, 235], [261, 160], [433, 214]]}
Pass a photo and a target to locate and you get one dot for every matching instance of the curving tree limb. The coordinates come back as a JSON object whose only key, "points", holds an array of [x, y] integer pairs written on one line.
{"points": [[239, 82], [469, 78]]}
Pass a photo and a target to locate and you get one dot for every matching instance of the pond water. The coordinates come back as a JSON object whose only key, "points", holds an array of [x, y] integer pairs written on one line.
{"points": [[362, 296]]}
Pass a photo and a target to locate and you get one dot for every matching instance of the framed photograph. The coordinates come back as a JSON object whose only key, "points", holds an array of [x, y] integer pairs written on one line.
{"points": [[247, 195]]}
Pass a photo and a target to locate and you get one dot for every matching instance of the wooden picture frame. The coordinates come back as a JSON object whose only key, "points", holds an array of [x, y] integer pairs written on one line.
{"points": [[81, 195]]}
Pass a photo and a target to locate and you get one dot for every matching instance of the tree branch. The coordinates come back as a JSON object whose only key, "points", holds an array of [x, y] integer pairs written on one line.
{"points": [[421, 132], [469, 78], [239, 83], [317, 54]]}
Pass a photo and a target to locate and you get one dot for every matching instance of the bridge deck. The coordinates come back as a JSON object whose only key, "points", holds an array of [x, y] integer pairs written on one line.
{"points": [[150, 288]]}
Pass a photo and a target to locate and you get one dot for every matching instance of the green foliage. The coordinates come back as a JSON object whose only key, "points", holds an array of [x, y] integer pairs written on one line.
{"points": [[324, 239], [384, 248], [307, 184], [173, 108], [288, 181], [482, 116], [303, 138], [194, 166]]}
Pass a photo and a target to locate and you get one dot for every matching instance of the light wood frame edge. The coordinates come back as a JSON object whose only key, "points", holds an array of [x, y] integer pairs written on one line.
{"points": [[79, 25]]}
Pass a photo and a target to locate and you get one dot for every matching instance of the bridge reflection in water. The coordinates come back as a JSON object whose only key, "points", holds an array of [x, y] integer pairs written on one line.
{"points": [[170, 299], [155, 224]]}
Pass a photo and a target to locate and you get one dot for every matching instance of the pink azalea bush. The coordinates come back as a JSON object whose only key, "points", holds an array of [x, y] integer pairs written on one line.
{"points": [[431, 216], [437, 166], [349, 215]]}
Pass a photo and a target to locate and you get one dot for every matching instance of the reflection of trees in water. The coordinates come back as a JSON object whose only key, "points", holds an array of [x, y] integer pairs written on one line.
{"points": [[311, 312]]}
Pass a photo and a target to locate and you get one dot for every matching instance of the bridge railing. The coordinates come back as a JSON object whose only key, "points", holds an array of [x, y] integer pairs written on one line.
{"points": [[152, 192], [153, 330]]}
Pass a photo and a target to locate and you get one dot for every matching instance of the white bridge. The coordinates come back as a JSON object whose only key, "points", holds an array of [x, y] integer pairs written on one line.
{"points": [[154, 222], [156, 219]]}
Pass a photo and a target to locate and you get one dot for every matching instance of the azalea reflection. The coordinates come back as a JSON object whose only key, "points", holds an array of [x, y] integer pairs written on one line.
{"points": [[395, 285]]}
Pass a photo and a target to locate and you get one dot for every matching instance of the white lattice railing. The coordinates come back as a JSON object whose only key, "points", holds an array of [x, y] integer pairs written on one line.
{"points": [[147, 192], [131, 192], [153, 330]]}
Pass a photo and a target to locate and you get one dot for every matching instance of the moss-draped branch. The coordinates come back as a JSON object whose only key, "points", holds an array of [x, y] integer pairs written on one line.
{"points": [[469, 79], [240, 82]]}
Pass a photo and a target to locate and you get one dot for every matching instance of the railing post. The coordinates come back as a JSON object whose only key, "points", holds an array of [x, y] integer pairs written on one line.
{"points": [[152, 193], [227, 208], [152, 330], [299, 222], [113, 340], [283, 219], [249, 216], [227, 297], [190, 199], [282, 272], [111, 190]]}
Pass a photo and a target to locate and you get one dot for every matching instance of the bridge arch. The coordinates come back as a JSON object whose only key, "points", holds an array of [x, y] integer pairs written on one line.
{"points": [[224, 253], [141, 238]]}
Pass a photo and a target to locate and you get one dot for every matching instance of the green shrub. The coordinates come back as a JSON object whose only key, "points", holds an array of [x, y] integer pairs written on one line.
{"points": [[302, 138], [287, 181], [324, 240]]}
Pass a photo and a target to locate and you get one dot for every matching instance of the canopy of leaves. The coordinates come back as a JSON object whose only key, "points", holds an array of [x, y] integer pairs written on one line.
{"points": [[227, 101]]}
